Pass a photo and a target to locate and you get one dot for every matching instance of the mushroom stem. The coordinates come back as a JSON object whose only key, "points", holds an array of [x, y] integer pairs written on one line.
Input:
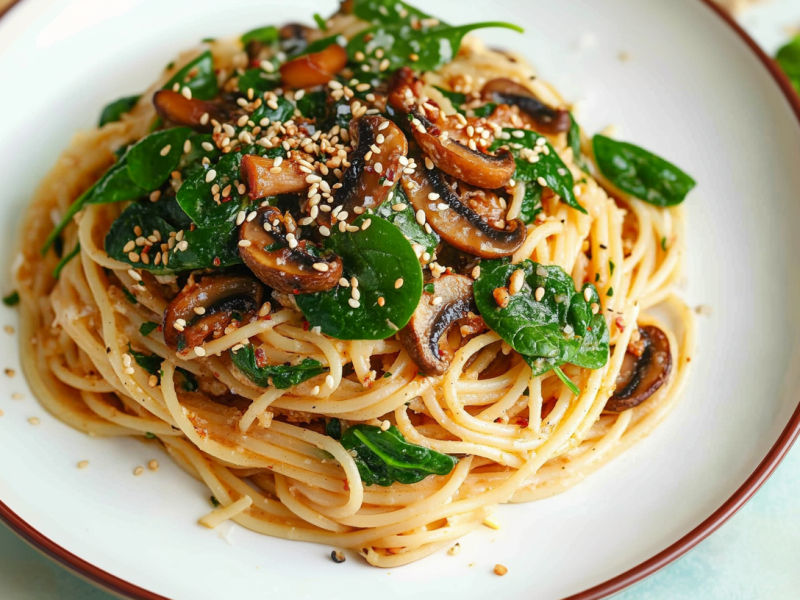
{"points": [[265, 179], [176, 108]]}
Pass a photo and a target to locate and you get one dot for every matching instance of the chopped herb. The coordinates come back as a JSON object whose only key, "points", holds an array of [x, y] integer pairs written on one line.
{"points": [[320, 22], [567, 381], [214, 502], [333, 428], [611, 266], [189, 383], [147, 328], [149, 362], [128, 296], [664, 244], [429, 288], [199, 76], [610, 292], [149, 436], [12, 299], [387, 375], [113, 112]]}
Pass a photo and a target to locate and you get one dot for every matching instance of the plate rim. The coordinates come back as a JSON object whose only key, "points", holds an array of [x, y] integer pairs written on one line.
{"points": [[125, 589]]}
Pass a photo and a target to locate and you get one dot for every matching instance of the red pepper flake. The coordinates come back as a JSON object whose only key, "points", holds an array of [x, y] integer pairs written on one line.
{"points": [[226, 199], [216, 375], [390, 174], [306, 325], [160, 328], [523, 422], [296, 292], [435, 131], [620, 324], [192, 227], [346, 486], [254, 63], [261, 358], [217, 262], [146, 249]]}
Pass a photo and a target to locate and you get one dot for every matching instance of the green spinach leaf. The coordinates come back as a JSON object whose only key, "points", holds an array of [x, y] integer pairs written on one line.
{"points": [[12, 299], [280, 376], [406, 221], [113, 111], [259, 80], [197, 200], [154, 157], [265, 35], [788, 58], [377, 257], [457, 99], [147, 328], [641, 173], [547, 164], [313, 105], [383, 457], [149, 362], [531, 202], [65, 259], [199, 76], [485, 110], [557, 329]]}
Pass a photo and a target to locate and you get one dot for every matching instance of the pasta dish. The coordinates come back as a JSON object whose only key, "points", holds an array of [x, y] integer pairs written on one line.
{"points": [[366, 281]]}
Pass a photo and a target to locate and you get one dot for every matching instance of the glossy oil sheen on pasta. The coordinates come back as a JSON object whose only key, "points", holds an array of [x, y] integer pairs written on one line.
{"points": [[264, 453]]}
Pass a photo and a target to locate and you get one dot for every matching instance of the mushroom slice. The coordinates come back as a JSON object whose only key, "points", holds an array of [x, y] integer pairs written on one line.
{"points": [[545, 119], [371, 174], [425, 335], [180, 110], [451, 156], [317, 68], [206, 308], [465, 217], [257, 171], [301, 269], [646, 367]]}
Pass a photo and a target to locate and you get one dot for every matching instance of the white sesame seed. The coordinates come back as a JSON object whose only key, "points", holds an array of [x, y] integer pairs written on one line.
{"points": [[366, 224], [354, 303], [200, 351], [343, 282], [252, 216], [334, 85], [354, 282], [420, 216], [433, 196], [517, 279], [518, 134], [542, 181], [165, 150], [244, 243], [539, 294], [324, 231], [355, 294], [210, 175], [378, 168], [240, 217], [199, 310], [134, 275], [321, 267]]}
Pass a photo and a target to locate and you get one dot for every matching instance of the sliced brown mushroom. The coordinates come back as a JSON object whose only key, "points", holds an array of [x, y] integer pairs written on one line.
{"points": [[204, 309], [317, 68], [284, 263], [425, 335], [369, 178], [465, 217], [452, 157], [646, 367], [257, 171], [180, 110], [545, 119]]}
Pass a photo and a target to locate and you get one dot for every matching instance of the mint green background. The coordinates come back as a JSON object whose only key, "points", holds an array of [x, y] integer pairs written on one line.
{"points": [[755, 556]]}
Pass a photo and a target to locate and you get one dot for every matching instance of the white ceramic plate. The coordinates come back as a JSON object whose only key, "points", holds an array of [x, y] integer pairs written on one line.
{"points": [[692, 91]]}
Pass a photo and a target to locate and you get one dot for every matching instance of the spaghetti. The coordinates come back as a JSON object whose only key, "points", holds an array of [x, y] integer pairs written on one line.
{"points": [[494, 426]]}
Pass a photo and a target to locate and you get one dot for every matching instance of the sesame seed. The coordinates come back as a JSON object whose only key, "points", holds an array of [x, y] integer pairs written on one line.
{"points": [[204, 121], [200, 351], [199, 310], [500, 570], [187, 92], [138, 471], [334, 85], [129, 246], [454, 550], [476, 272], [210, 175], [240, 217], [355, 294], [433, 196], [165, 150], [587, 294], [542, 181], [324, 231], [343, 282], [491, 523], [381, 301], [321, 267], [517, 279], [83, 464], [252, 216], [353, 303], [315, 390], [539, 294], [366, 224], [354, 282], [133, 257], [182, 246], [152, 381], [398, 284], [34, 420], [329, 381], [437, 300], [420, 216], [399, 207]]}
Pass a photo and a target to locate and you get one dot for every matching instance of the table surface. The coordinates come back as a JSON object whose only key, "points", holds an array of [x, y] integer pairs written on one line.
{"points": [[754, 555]]}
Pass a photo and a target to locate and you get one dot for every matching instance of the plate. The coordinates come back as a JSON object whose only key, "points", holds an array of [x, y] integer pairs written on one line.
{"points": [[674, 77]]}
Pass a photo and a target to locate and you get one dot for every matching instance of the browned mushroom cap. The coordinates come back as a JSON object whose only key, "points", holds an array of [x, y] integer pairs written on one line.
{"points": [[545, 119], [465, 217], [176, 108], [317, 68], [262, 182], [271, 258], [368, 179], [205, 309], [425, 335], [642, 375], [451, 156]]}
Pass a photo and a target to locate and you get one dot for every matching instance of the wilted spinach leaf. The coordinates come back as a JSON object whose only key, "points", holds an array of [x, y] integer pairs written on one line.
{"points": [[147, 328], [282, 376], [406, 221], [641, 173], [113, 111], [197, 200], [199, 76], [383, 457], [154, 157], [265, 35]]}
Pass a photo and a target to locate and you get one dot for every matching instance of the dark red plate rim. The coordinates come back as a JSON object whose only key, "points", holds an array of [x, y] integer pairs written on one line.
{"points": [[746, 491]]}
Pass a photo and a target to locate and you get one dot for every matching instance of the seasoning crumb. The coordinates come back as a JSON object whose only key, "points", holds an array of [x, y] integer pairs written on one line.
{"points": [[454, 550], [10, 372], [491, 523], [83, 464], [337, 556], [500, 570], [1, 412], [138, 471], [34, 420], [153, 465], [702, 309], [18, 396], [9, 329]]}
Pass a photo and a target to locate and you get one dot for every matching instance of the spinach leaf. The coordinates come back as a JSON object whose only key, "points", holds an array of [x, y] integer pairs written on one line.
{"points": [[574, 142], [377, 257], [199, 76], [280, 376], [113, 111], [383, 457], [115, 185], [169, 210], [313, 105], [423, 49], [147, 328], [333, 428], [12, 299], [531, 203], [65, 259], [265, 35], [197, 153], [259, 80], [389, 12], [457, 99], [207, 247], [567, 381], [788, 58], [128, 296], [189, 383], [547, 164], [641, 173], [557, 329], [485, 110], [320, 45], [154, 157], [284, 112], [197, 200], [406, 221]]}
